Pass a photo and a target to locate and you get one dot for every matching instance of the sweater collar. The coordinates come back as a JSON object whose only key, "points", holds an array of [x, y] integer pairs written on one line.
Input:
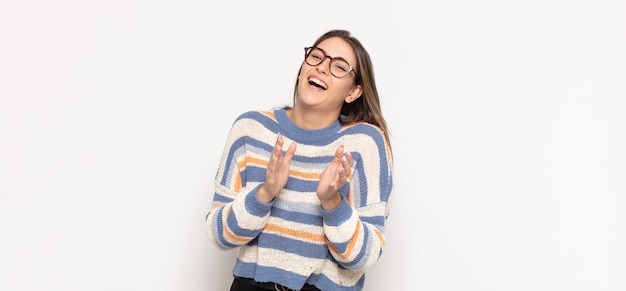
{"points": [[301, 135]]}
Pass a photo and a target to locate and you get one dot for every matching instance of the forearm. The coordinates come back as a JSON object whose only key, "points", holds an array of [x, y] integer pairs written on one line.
{"points": [[353, 242], [234, 223]]}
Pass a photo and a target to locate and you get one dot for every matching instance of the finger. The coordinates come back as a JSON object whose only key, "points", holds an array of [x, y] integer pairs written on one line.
{"points": [[336, 162], [344, 161], [290, 153], [277, 152], [342, 174], [339, 152], [348, 155], [345, 165], [292, 149], [339, 177], [279, 143]]}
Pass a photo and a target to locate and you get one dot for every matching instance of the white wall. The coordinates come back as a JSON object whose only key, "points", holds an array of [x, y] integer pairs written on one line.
{"points": [[507, 120]]}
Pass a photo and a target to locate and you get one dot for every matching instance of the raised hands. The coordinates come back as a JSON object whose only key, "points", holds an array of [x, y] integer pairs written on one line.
{"points": [[333, 178], [277, 172]]}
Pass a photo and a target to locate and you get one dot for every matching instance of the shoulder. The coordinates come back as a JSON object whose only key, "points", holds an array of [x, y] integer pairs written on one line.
{"points": [[255, 123], [364, 129], [265, 117], [367, 138], [256, 115]]}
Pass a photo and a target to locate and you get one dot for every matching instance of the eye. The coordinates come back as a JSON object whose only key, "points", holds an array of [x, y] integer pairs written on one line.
{"points": [[317, 56], [342, 66]]}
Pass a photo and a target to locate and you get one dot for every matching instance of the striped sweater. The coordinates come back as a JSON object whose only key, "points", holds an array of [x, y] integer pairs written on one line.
{"points": [[292, 240]]}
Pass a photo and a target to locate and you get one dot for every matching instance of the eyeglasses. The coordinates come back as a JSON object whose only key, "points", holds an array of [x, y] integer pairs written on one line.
{"points": [[339, 67]]}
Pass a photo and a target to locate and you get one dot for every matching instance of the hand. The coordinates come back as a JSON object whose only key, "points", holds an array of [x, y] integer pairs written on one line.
{"points": [[277, 172], [333, 178]]}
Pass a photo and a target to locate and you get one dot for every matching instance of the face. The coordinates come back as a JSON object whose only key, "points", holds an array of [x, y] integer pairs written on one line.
{"points": [[318, 88]]}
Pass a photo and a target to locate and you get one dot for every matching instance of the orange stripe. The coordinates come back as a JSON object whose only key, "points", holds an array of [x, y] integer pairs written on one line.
{"points": [[256, 161], [350, 247], [295, 233], [269, 113], [238, 183], [380, 236], [294, 173], [230, 234], [305, 175], [234, 237]]}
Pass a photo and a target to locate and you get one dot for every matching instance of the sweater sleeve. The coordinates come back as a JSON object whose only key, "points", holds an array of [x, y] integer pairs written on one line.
{"points": [[236, 216], [355, 229]]}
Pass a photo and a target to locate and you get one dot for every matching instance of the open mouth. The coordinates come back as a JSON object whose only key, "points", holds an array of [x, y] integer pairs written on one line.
{"points": [[317, 83]]}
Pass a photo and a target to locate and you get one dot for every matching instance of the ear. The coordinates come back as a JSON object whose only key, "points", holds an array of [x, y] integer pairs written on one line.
{"points": [[354, 94]]}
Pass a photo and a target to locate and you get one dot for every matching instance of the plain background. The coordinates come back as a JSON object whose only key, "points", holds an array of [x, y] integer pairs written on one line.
{"points": [[507, 121]]}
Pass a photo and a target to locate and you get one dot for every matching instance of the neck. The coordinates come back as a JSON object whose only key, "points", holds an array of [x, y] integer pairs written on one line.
{"points": [[310, 119]]}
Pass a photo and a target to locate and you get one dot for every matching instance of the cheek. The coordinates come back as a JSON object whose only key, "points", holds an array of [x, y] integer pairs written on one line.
{"points": [[302, 74], [345, 88]]}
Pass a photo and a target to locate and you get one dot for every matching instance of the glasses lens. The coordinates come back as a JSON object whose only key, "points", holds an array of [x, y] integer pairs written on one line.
{"points": [[314, 56], [339, 67]]}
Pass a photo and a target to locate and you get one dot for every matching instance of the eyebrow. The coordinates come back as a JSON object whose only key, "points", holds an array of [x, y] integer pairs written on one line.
{"points": [[340, 57]]}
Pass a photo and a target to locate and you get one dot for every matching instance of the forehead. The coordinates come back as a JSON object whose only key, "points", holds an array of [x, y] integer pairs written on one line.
{"points": [[337, 47]]}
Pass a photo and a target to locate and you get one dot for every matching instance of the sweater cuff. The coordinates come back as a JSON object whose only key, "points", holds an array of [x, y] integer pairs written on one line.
{"points": [[256, 207], [339, 215]]}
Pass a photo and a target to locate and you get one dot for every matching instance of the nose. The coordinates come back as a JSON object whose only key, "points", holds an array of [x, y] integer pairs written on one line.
{"points": [[324, 66]]}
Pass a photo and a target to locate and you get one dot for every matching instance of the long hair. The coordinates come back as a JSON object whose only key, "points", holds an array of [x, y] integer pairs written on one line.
{"points": [[367, 107]]}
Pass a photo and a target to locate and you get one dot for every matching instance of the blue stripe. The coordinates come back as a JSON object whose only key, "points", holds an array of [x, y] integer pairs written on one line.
{"points": [[221, 198], [291, 245], [218, 230], [378, 138], [358, 260], [299, 217], [234, 227], [378, 220]]}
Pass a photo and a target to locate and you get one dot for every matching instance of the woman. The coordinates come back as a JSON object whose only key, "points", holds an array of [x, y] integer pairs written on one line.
{"points": [[311, 217]]}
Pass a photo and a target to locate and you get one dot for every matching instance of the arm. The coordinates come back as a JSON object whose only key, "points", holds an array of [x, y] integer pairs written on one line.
{"points": [[236, 215], [354, 229], [241, 208]]}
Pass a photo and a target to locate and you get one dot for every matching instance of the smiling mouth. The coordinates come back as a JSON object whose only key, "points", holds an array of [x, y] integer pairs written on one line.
{"points": [[318, 83]]}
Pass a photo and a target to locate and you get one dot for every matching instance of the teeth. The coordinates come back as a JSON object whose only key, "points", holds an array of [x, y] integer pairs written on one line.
{"points": [[318, 82]]}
